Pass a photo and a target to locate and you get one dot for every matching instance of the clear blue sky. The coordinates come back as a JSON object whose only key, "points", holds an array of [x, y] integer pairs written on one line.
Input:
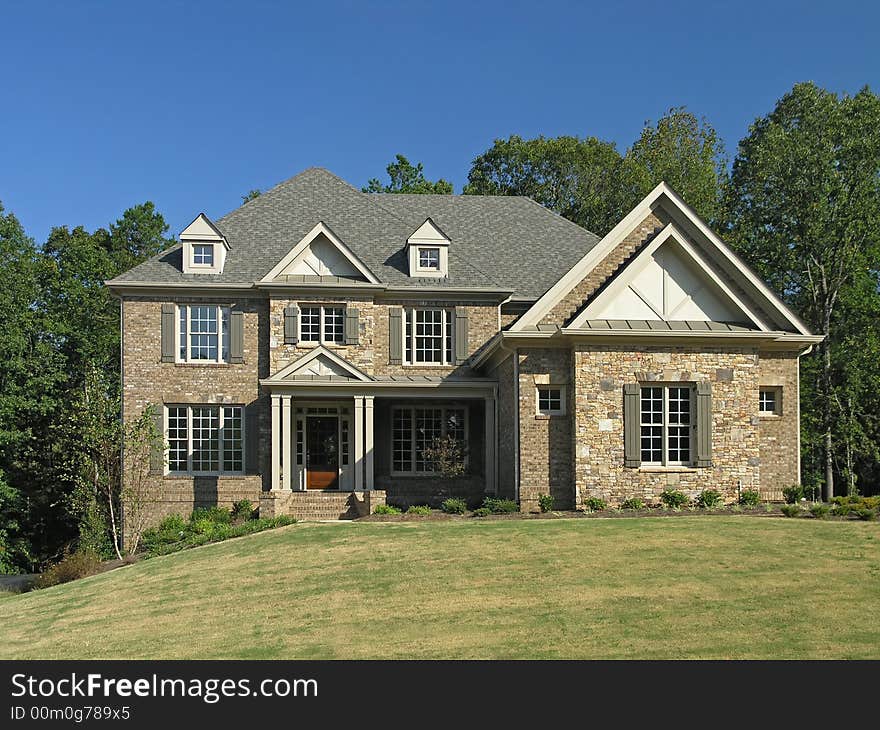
{"points": [[106, 104]]}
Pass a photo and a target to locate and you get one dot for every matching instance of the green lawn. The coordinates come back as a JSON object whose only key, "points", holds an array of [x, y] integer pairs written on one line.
{"points": [[695, 587]]}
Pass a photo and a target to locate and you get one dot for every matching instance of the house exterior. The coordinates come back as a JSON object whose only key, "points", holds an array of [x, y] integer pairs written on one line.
{"points": [[304, 350]]}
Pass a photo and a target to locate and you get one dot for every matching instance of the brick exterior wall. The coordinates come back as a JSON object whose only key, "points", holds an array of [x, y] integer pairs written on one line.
{"points": [[780, 463], [544, 442], [600, 374], [573, 302], [506, 426]]}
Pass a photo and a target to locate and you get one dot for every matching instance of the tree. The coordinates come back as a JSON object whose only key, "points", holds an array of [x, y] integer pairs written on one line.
{"points": [[138, 235], [408, 178], [804, 208], [578, 178], [686, 153]]}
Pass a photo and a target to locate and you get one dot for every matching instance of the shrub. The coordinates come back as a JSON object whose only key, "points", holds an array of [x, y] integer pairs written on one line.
{"points": [[454, 506], [709, 498], [871, 502], [791, 510], [820, 510], [674, 498], [169, 531], [595, 504], [190, 538], [840, 510], [216, 515], [203, 526], [793, 494], [500, 506], [545, 502], [482, 512], [633, 503], [242, 510], [71, 566], [419, 509], [867, 514], [750, 497], [386, 509]]}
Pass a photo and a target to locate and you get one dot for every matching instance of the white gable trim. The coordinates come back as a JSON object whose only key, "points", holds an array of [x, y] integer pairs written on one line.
{"points": [[202, 228], [625, 277], [320, 228], [319, 351], [428, 234], [616, 235]]}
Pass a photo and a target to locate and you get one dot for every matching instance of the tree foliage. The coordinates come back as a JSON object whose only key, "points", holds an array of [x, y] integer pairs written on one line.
{"points": [[408, 178]]}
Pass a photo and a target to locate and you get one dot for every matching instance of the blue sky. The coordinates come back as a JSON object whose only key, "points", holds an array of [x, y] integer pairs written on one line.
{"points": [[106, 104]]}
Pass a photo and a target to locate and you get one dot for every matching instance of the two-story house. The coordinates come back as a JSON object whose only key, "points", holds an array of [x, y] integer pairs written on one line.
{"points": [[305, 351]]}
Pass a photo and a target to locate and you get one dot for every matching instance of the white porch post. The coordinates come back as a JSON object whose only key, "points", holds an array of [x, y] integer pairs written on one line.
{"points": [[287, 421], [368, 442], [358, 443], [276, 441], [489, 437]]}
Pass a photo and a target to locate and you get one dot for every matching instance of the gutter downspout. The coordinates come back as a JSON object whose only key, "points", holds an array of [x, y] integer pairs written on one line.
{"points": [[121, 417]]}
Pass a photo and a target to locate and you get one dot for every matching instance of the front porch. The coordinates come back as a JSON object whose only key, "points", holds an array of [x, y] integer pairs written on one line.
{"points": [[339, 446]]}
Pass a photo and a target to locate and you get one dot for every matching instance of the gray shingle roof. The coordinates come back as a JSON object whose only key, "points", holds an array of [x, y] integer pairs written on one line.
{"points": [[509, 243]]}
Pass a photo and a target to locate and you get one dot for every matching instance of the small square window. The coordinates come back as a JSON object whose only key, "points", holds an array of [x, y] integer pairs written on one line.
{"points": [[429, 258], [550, 400], [769, 401], [203, 254]]}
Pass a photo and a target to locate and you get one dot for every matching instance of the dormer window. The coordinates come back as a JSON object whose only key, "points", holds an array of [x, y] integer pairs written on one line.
{"points": [[429, 259], [203, 254], [203, 247], [428, 251]]}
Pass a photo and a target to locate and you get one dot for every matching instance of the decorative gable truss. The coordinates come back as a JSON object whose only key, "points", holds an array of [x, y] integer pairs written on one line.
{"points": [[320, 364], [670, 279], [320, 253], [204, 247]]}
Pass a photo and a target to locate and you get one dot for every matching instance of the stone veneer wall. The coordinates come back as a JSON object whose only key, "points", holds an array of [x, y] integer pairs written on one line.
{"points": [[371, 354], [544, 442], [780, 462], [148, 380], [600, 374], [593, 281]]}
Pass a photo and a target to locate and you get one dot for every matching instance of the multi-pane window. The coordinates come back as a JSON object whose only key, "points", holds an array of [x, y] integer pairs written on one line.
{"points": [[666, 424], [203, 254], [203, 333], [550, 400], [429, 258], [415, 429], [768, 401], [428, 336], [322, 324], [205, 439]]}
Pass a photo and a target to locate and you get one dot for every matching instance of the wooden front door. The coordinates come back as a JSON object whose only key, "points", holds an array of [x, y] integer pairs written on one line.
{"points": [[322, 452]]}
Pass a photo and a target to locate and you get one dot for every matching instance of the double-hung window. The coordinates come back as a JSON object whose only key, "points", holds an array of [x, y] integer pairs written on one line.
{"points": [[322, 324], [666, 425], [415, 429], [205, 440], [203, 334], [427, 336]]}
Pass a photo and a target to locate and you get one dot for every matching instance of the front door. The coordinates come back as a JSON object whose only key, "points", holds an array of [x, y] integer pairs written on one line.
{"points": [[322, 452]]}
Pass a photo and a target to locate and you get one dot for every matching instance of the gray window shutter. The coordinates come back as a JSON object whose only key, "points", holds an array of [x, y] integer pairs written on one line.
{"points": [[632, 452], [461, 335], [291, 325], [395, 335], [169, 331], [157, 455], [703, 425], [236, 336], [252, 438], [351, 326]]}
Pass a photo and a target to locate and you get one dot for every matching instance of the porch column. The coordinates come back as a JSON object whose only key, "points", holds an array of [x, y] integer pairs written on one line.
{"points": [[368, 442], [358, 443], [489, 438], [276, 441], [287, 468]]}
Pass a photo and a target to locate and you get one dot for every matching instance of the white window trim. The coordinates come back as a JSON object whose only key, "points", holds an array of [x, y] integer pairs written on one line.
{"points": [[550, 412], [448, 330], [222, 312], [189, 440], [419, 251], [321, 324], [777, 393], [664, 442], [201, 265], [412, 419]]}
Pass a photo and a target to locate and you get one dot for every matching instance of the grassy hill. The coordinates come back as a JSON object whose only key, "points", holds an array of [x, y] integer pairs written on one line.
{"points": [[712, 587]]}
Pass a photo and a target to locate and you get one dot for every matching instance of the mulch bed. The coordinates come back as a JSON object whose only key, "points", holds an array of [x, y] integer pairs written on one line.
{"points": [[578, 514]]}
